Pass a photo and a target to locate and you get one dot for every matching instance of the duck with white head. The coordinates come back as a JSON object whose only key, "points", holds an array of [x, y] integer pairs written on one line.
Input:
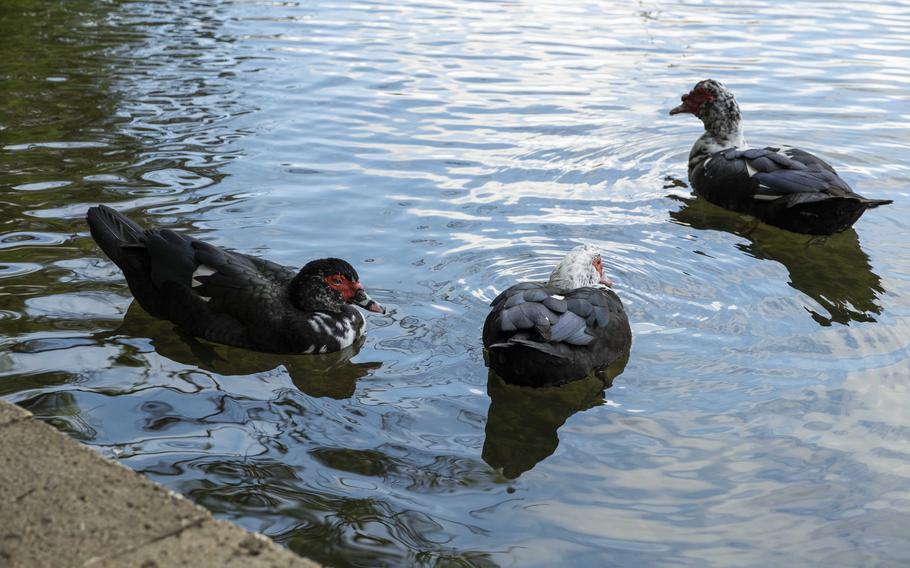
{"points": [[545, 334]]}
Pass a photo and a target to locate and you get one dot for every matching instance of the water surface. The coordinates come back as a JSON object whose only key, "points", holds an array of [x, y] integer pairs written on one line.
{"points": [[449, 150]]}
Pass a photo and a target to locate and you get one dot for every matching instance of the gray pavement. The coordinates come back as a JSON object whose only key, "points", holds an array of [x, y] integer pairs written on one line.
{"points": [[63, 505]]}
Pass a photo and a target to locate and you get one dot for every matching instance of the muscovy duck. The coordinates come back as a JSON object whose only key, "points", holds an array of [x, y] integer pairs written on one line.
{"points": [[785, 187], [233, 298], [545, 334]]}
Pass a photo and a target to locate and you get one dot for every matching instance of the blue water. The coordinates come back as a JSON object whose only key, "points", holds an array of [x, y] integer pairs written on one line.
{"points": [[449, 150]]}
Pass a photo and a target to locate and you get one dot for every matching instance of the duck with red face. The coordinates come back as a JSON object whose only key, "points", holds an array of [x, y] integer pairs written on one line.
{"points": [[352, 291], [786, 187], [234, 298], [599, 267]]}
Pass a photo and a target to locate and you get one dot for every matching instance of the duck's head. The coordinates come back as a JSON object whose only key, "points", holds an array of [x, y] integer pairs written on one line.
{"points": [[580, 268], [714, 104], [328, 284]]}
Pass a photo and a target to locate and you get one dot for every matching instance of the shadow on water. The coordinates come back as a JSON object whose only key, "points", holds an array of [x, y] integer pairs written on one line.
{"points": [[522, 422], [833, 271], [331, 375]]}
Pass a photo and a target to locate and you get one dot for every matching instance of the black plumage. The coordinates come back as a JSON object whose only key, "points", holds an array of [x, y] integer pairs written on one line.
{"points": [[233, 298], [538, 335], [790, 188]]}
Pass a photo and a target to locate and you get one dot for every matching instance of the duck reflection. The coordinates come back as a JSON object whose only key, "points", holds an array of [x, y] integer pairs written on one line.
{"points": [[834, 271], [522, 422], [331, 375]]}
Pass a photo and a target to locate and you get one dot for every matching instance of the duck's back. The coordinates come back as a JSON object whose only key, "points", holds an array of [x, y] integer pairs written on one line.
{"points": [[537, 335], [790, 188]]}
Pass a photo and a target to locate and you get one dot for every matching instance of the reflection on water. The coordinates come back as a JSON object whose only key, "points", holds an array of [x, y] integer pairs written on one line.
{"points": [[522, 422], [332, 375], [449, 150], [834, 271]]}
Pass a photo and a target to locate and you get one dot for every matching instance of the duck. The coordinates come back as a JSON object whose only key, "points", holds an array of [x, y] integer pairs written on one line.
{"points": [[233, 298], [542, 334], [782, 186]]}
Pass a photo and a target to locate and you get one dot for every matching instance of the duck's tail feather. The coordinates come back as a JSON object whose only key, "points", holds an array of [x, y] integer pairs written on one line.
{"points": [[870, 203], [818, 214], [115, 233]]}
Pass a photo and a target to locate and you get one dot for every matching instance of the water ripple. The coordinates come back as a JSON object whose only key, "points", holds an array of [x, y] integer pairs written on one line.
{"points": [[449, 151]]}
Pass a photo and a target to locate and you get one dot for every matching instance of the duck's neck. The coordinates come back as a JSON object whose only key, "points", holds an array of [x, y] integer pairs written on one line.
{"points": [[708, 144], [569, 276], [723, 130]]}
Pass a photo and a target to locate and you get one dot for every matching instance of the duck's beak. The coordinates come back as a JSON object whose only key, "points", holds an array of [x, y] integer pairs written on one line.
{"points": [[362, 299], [683, 108], [678, 110]]}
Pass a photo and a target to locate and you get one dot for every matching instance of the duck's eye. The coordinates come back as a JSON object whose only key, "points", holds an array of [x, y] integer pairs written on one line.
{"points": [[336, 281]]}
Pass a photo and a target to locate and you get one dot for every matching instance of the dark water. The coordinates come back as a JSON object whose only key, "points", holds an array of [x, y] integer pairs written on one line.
{"points": [[448, 150]]}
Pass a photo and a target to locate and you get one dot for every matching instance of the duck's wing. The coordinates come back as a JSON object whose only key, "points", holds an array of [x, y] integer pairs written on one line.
{"points": [[809, 160], [534, 312], [251, 291], [768, 174]]}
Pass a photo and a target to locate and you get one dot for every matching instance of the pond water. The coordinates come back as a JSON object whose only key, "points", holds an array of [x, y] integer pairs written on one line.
{"points": [[448, 150]]}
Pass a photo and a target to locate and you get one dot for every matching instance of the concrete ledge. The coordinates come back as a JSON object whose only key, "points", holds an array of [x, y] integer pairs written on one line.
{"points": [[11, 413], [212, 543], [62, 504]]}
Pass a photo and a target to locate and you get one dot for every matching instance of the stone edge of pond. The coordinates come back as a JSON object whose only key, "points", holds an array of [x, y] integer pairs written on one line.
{"points": [[63, 504]]}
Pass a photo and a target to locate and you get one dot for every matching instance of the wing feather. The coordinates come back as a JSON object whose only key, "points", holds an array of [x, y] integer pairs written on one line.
{"points": [[777, 173], [230, 283], [538, 313]]}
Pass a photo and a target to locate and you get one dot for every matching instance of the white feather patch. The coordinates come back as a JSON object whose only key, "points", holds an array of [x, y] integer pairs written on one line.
{"points": [[201, 270], [752, 171], [765, 197], [348, 337]]}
